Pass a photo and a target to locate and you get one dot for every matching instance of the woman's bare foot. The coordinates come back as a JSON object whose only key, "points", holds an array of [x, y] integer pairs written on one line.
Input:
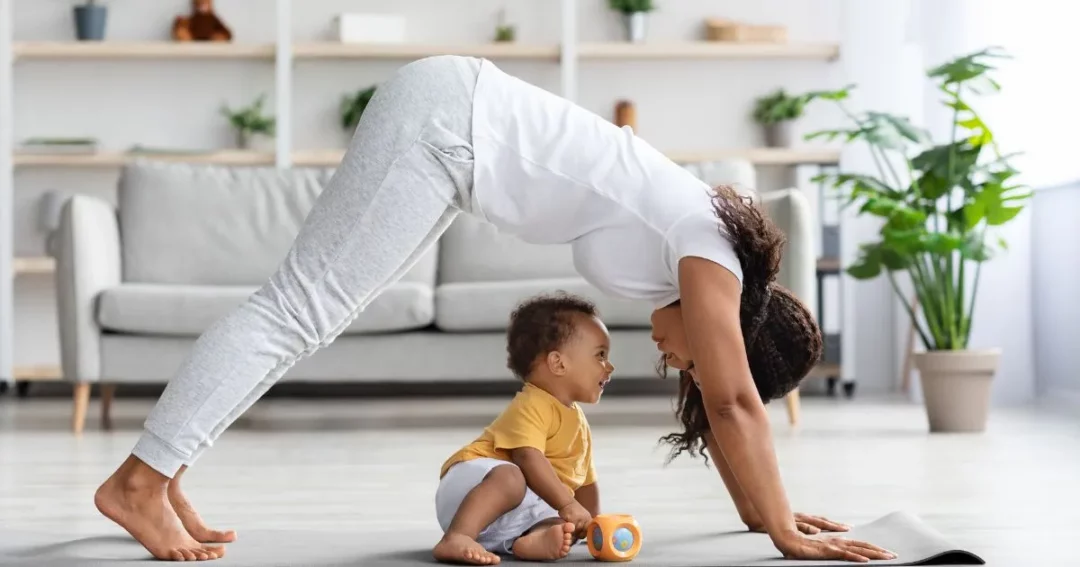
{"points": [[191, 520], [546, 543], [135, 497], [459, 548]]}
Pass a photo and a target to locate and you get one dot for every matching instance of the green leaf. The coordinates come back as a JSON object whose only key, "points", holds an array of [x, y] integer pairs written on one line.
{"points": [[1003, 243], [962, 69], [869, 264], [974, 249], [901, 125], [1001, 215], [974, 213], [893, 260]]}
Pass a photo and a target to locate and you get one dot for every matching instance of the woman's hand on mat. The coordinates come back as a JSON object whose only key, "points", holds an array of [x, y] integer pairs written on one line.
{"points": [[795, 545], [807, 524], [576, 514]]}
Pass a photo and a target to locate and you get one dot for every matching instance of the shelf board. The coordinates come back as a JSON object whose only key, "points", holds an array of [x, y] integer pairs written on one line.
{"points": [[142, 50], [34, 266], [116, 159], [829, 265], [762, 156], [336, 50], [40, 372], [709, 50], [757, 156]]}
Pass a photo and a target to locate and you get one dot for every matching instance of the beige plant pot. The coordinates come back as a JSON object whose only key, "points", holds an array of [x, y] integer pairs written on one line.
{"points": [[956, 387]]}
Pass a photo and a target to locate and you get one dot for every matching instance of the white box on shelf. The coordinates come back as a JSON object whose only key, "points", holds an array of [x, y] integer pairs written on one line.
{"points": [[371, 28]]}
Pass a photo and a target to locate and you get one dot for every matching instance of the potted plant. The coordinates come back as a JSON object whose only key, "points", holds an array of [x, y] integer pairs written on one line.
{"points": [[939, 203], [353, 106], [633, 14], [776, 113], [250, 121], [505, 32], [90, 21]]}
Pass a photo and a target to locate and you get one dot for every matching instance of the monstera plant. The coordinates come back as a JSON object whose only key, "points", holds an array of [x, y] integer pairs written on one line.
{"points": [[939, 203]]}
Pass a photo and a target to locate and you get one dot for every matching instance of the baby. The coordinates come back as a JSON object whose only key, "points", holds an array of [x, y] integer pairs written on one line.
{"points": [[527, 485]]}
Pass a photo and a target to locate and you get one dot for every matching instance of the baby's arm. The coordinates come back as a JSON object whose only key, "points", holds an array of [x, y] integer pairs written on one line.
{"points": [[589, 497], [541, 478]]}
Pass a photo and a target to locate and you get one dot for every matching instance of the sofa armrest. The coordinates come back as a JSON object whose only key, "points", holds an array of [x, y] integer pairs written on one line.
{"points": [[790, 210], [87, 262]]}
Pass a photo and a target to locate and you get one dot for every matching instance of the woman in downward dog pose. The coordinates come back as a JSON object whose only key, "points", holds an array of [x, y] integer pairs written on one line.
{"points": [[452, 134]]}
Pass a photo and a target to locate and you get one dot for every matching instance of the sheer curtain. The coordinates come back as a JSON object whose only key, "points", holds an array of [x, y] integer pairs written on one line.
{"points": [[1033, 114]]}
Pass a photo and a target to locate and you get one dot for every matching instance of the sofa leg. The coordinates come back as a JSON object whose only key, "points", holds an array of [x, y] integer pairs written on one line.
{"points": [[108, 392], [82, 402], [793, 406]]}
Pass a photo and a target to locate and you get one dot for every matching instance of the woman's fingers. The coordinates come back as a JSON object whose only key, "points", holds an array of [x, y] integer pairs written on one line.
{"points": [[822, 523], [840, 553], [806, 528], [862, 548]]}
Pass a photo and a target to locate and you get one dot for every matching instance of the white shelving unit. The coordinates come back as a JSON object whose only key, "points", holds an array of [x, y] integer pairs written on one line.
{"points": [[284, 54]]}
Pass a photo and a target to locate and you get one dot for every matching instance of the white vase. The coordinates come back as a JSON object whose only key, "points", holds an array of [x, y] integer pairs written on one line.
{"points": [[636, 24], [780, 134], [956, 387]]}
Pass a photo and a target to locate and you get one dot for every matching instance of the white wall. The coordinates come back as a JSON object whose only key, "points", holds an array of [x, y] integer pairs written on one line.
{"points": [[682, 105]]}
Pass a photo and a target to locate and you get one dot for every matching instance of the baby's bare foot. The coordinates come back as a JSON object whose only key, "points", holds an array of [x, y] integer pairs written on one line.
{"points": [[191, 520], [546, 543], [458, 548], [141, 506]]}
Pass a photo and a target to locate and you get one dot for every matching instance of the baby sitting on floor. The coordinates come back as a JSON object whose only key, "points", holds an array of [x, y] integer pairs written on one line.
{"points": [[527, 485]]}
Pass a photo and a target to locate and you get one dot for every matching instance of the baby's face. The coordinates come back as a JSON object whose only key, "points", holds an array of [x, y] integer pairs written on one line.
{"points": [[588, 367]]}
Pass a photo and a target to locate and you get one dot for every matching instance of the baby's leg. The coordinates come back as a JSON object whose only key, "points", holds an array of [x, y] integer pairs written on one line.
{"points": [[546, 541], [500, 491]]}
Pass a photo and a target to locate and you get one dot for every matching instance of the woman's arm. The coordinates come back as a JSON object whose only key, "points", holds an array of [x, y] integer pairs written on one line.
{"points": [[710, 297], [747, 513], [806, 523]]}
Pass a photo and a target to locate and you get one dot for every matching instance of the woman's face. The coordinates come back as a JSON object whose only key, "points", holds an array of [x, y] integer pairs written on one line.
{"points": [[670, 336]]}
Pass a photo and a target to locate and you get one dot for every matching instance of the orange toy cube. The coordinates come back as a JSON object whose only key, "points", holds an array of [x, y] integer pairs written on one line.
{"points": [[614, 537]]}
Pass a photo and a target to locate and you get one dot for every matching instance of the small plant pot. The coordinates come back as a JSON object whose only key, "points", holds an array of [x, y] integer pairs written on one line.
{"points": [[243, 140], [780, 134], [636, 25], [90, 22], [956, 387]]}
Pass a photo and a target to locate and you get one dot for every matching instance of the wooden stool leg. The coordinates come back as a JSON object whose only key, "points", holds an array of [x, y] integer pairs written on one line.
{"points": [[793, 406], [82, 402], [108, 392]]}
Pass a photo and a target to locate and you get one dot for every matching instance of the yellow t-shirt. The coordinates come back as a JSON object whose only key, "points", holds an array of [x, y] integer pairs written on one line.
{"points": [[536, 419]]}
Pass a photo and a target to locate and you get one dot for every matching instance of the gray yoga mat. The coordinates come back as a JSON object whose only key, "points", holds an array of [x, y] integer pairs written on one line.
{"points": [[905, 534]]}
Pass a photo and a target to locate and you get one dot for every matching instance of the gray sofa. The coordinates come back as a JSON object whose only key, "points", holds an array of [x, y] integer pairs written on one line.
{"points": [[138, 282]]}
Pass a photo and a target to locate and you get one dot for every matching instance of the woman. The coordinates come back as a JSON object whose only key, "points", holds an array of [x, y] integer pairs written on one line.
{"points": [[453, 134]]}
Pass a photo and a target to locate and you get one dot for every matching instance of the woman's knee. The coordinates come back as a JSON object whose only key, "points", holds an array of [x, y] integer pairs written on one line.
{"points": [[510, 479]]}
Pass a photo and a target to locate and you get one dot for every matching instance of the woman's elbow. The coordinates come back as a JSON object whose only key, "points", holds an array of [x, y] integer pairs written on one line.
{"points": [[729, 406]]}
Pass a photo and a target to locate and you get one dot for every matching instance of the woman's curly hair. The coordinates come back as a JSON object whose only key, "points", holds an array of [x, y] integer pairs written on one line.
{"points": [[783, 340]]}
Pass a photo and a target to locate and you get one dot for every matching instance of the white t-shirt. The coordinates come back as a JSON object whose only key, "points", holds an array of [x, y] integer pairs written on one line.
{"points": [[551, 172]]}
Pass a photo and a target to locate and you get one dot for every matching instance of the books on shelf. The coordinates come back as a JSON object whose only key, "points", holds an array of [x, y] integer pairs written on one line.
{"points": [[59, 146]]}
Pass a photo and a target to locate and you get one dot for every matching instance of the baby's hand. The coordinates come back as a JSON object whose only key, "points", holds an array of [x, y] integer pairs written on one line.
{"points": [[576, 514]]}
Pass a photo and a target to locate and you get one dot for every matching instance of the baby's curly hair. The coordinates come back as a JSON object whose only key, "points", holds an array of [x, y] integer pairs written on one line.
{"points": [[540, 325]]}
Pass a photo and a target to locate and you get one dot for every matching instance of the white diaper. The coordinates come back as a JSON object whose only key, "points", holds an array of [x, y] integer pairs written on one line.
{"points": [[500, 535]]}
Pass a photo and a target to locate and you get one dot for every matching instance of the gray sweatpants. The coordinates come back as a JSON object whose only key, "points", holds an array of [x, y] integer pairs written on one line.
{"points": [[407, 173]]}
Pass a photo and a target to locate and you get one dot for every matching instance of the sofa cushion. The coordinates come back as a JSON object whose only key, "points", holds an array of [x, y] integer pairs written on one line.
{"points": [[178, 310], [486, 306], [213, 225], [475, 251]]}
